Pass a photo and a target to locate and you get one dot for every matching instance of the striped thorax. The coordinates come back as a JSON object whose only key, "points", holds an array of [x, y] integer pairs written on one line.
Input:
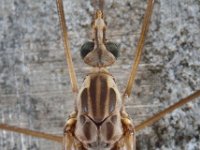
{"points": [[99, 103]]}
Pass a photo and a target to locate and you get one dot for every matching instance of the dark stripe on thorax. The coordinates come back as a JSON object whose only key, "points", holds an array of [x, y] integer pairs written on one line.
{"points": [[98, 93], [92, 91], [110, 130], [112, 99], [84, 100], [103, 96], [87, 130]]}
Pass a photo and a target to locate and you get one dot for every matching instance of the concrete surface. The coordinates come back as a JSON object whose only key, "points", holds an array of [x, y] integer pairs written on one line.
{"points": [[34, 85]]}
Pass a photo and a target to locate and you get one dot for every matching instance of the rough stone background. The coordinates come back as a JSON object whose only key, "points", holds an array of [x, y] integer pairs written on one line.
{"points": [[34, 85]]}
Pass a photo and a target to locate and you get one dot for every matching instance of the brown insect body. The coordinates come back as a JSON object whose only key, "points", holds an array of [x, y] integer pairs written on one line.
{"points": [[99, 106], [99, 103]]}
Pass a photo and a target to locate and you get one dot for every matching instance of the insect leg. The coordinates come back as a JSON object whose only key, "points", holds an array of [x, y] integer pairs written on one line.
{"points": [[32, 133], [130, 141], [129, 134], [69, 139], [143, 34], [159, 115], [63, 26]]}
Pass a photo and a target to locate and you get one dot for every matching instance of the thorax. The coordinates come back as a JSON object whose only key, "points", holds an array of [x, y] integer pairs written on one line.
{"points": [[99, 96], [99, 103]]}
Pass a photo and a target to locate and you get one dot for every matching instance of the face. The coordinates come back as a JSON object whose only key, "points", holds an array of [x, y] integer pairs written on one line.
{"points": [[34, 83]]}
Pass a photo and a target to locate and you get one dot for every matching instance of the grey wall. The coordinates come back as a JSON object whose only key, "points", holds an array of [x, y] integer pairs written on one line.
{"points": [[35, 90]]}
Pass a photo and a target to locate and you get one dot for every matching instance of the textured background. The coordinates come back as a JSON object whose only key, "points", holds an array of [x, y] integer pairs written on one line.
{"points": [[34, 85]]}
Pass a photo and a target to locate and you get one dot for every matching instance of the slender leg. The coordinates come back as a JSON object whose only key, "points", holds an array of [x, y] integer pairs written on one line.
{"points": [[68, 141], [32, 133], [140, 46], [63, 26], [130, 142], [159, 115]]}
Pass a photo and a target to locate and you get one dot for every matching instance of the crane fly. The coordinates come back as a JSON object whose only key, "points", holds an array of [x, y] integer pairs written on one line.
{"points": [[101, 123]]}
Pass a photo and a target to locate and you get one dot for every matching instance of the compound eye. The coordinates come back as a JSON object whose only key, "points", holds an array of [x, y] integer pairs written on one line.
{"points": [[113, 48], [86, 48]]}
